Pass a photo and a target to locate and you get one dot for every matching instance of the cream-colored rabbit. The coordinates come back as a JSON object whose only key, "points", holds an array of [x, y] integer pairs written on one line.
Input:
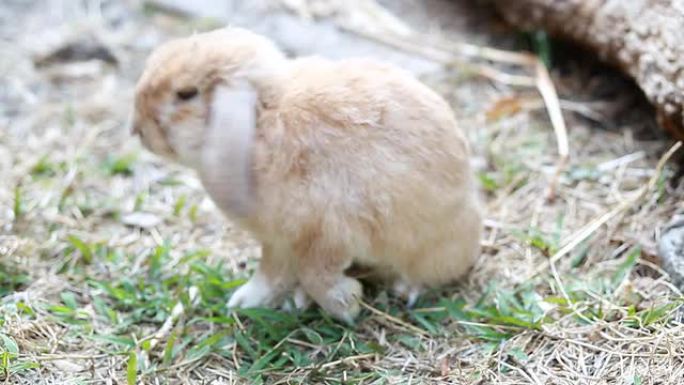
{"points": [[327, 163]]}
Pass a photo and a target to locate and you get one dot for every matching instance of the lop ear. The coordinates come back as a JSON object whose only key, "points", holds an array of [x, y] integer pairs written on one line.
{"points": [[226, 169]]}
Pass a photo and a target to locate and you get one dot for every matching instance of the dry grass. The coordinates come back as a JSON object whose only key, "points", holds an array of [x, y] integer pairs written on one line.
{"points": [[116, 266]]}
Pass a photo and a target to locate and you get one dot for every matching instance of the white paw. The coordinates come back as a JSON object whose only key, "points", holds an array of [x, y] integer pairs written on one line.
{"points": [[257, 292], [299, 301], [407, 291], [342, 300]]}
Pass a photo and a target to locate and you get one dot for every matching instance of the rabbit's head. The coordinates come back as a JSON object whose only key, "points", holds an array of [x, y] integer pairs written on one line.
{"points": [[179, 92]]}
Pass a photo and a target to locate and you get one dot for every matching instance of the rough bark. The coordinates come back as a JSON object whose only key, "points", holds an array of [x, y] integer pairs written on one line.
{"points": [[644, 38]]}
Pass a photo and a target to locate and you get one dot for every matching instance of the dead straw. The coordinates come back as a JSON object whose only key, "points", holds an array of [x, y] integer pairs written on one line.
{"points": [[591, 227]]}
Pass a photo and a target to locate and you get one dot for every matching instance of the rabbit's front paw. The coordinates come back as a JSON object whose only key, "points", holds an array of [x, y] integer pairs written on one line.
{"points": [[257, 292]]}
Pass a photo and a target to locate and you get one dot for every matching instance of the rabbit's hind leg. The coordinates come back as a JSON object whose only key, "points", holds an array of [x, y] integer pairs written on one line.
{"points": [[321, 275]]}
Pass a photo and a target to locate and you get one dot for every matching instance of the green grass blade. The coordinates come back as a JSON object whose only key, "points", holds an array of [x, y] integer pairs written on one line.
{"points": [[132, 369]]}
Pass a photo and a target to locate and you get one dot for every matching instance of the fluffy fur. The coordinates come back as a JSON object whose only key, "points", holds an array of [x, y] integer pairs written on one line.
{"points": [[338, 162]]}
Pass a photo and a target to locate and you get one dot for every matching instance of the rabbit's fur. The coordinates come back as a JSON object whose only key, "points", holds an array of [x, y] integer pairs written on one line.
{"points": [[325, 162]]}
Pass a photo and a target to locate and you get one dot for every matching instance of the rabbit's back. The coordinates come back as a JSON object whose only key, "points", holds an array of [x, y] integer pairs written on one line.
{"points": [[367, 158]]}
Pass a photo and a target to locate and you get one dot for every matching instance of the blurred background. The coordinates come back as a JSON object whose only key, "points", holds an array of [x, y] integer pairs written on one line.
{"points": [[115, 266]]}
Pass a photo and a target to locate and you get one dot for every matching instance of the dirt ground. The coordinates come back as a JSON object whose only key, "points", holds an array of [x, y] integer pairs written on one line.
{"points": [[115, 266]]}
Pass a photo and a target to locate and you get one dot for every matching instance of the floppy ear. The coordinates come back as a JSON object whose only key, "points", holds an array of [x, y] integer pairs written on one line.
{"points": [[226, 169]]}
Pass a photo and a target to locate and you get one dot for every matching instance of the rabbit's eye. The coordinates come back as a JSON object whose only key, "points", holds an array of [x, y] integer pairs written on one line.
{"points": [[187, 93]]}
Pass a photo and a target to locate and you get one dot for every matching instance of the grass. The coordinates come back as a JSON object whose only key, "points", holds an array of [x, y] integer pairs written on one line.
{"points": [[87, 296], [12, 279], [115, 299], [267, 341], [119, 165], [118, 317]]}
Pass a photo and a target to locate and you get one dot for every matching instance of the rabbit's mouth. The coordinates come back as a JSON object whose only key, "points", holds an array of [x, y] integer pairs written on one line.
{"points": [[154, 137]]}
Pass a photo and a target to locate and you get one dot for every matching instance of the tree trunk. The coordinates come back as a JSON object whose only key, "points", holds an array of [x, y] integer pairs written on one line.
{"points": [[644, 38]]}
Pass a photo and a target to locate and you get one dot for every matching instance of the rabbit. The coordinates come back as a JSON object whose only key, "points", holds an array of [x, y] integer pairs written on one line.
{"points": [[327, 163]]}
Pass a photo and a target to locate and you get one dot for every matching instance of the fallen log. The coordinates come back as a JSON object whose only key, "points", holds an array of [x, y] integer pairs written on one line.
{"points": [[643, 38]]}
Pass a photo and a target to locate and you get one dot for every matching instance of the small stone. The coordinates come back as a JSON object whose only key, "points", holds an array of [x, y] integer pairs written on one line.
{"points": [[671, 250], [79, 51], [68, 366], [141, 219]]}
